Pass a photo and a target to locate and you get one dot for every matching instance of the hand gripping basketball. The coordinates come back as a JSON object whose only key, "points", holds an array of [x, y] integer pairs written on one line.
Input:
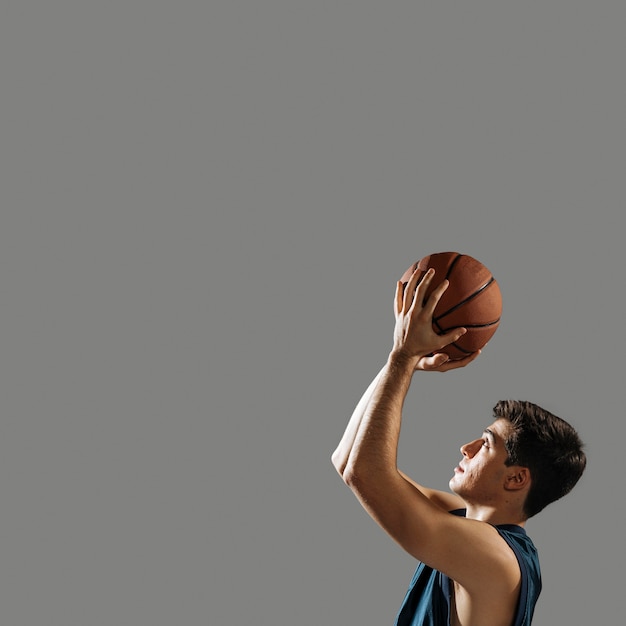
{"points": [[472, 301], [414, 335]]}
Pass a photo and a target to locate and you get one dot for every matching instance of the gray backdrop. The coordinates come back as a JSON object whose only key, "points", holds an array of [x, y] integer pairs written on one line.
{"points": [[204, 210]]}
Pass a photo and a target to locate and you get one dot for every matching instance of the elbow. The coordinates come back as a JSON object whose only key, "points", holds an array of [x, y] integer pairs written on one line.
{"points": [[339, 462], [362, 484], [344, 468], [352, 477], [355, 473], [366, 481]]}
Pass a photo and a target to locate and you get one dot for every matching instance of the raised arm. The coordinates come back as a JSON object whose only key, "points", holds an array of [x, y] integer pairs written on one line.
{"points": [[445, 499], [468, 551], [340, 456]]}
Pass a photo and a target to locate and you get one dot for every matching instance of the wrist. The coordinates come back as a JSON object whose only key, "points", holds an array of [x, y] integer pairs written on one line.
{"points": [[400, 360]]}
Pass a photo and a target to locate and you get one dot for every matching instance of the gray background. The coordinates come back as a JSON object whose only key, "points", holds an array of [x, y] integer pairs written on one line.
{"points": [[204, 210]]}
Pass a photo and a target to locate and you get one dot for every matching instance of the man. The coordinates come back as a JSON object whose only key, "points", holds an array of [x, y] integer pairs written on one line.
{"points": [[477, 565]]}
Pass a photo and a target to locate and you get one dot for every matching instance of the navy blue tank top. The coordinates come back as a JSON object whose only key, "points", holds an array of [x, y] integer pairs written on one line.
{"points": [[427, 601]]}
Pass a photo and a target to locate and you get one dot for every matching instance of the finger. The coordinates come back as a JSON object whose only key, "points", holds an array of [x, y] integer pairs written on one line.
{"points": [[451, 336], [432, 362], [435, 296], [457, 363], [418, 289], [399, 297], [470, 357], [409, 288]]}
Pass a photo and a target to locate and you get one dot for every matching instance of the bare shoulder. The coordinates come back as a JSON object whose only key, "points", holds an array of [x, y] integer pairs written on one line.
{"points": [[468, 551], [483, 569], [476, 556]]}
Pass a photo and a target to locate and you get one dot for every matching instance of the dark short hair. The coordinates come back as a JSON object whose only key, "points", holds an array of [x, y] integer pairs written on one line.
{"points": [[547, 445]]}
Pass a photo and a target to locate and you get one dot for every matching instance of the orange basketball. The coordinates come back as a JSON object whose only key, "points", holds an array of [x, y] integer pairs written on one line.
{"points": [[472, 299]]}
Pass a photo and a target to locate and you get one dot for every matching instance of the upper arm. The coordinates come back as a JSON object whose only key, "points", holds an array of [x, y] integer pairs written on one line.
{"points": [[446, 500], [469, 551]]}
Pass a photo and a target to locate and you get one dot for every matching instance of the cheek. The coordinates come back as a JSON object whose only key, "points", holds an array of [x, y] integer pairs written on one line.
{"points": [[477, 476], [472, 477]]}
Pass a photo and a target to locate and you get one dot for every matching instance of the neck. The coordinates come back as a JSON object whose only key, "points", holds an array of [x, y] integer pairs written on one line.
{"points": [[495, 515]]}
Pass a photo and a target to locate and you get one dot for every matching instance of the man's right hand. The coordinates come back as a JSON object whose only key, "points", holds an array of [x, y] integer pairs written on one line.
{"points": [[414, 336]]}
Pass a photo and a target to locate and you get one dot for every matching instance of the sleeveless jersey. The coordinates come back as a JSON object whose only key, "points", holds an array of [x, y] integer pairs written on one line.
{"points": [[427, 601]]}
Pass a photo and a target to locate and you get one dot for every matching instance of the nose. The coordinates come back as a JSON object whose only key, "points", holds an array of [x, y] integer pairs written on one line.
{"points": [[469, 449]]}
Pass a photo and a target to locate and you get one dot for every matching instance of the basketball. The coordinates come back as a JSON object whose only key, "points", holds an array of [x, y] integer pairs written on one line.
{"points": [[472, 300]]}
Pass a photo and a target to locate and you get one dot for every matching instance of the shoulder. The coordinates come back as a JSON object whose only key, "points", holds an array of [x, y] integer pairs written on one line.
{"points": [[489, 580], [526, 554]]}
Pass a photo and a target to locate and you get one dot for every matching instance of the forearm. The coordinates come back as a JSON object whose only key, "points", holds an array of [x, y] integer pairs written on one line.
{"points": [[375, 446], [342, 453]]}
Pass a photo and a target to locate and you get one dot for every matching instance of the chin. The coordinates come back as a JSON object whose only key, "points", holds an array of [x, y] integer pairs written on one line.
{"points": [[456, 485]]}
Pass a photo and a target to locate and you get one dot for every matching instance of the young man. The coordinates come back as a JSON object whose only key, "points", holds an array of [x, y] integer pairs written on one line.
{"points": [[477, 565]]}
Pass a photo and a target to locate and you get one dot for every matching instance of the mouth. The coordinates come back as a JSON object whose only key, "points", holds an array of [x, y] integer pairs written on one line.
{"points": [[458, 470], [460, 467]]}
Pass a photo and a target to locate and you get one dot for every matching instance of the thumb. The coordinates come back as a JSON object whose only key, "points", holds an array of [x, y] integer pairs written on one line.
{"points": [[452, 336], [432, 362]]}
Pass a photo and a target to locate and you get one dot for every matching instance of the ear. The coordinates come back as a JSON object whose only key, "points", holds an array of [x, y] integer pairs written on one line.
{"points": [[517, 478]]}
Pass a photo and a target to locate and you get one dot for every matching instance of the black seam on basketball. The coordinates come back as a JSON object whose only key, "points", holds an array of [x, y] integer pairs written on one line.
{"points": [[468, 326], [454, 344], [458, 347], [454, 262], [458, 305]]}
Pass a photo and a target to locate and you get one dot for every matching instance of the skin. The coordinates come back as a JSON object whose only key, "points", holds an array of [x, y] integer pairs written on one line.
{"points": [[485, 573]]}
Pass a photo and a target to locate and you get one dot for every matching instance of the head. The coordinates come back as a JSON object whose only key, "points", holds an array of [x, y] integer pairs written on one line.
{"points": [[545, 444]]}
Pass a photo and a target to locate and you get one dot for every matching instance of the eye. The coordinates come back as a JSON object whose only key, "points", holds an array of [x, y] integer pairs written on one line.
{"points": [[485, 443]]}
